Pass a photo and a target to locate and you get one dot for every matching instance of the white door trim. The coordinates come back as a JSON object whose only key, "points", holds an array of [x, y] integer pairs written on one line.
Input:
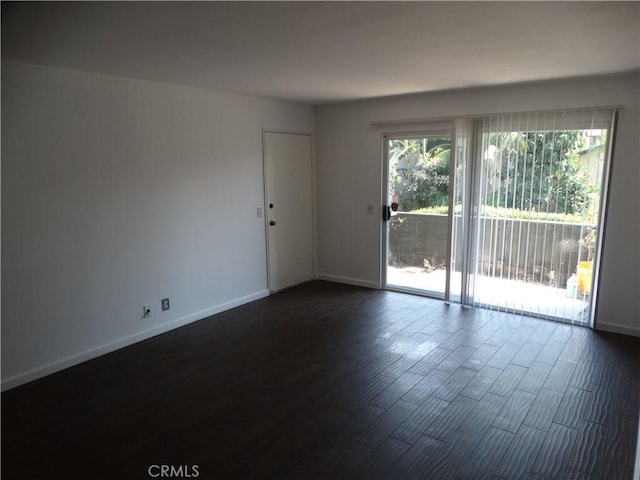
{"points": [[265, 170]]}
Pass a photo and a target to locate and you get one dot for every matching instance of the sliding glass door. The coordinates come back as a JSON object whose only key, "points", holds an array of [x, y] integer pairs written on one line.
{"points": [[538, 195], [416, 213], [521, 200]]}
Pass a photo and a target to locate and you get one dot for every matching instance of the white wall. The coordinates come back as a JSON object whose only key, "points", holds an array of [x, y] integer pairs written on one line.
{"points": [[117, 193], [348, 153]]}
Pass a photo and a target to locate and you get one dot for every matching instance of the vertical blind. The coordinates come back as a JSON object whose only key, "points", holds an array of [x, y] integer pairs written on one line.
{"points": [[528, 203]]}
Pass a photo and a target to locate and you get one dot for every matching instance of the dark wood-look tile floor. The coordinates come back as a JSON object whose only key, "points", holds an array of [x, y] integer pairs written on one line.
{"points": [[333, 381]]}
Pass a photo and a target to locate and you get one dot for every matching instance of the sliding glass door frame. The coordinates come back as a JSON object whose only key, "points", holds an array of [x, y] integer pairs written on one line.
{"points": [[465, 160], [438, 129], [602, 218], [464, 219]]}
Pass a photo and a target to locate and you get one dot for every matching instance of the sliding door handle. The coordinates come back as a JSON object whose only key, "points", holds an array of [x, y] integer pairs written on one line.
{"points": [[386, 213], [272, 223]]}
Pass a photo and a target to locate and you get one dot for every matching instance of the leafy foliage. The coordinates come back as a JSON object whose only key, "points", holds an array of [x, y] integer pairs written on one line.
{"points": [[510, 213], [535, 171], [522, 172], [420, 174]]}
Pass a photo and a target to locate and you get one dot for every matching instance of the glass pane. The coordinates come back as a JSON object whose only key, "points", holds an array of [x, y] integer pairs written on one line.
{"points": [[539, 190], [418, 194]]}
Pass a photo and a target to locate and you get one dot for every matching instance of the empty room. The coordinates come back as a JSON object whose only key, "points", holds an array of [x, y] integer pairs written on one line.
{"points": [[320, 240]]}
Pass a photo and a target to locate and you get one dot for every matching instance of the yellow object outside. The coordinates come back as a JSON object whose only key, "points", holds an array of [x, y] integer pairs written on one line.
{"points": [[585, 274]]}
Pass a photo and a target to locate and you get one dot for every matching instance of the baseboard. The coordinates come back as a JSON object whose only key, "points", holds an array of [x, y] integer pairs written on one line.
{"points": [[349, 281], [617, 328], [78, 358]]}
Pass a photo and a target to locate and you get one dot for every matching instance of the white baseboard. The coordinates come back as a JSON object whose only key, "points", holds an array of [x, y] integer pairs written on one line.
{"points": [[81, 357], [618, 328], [349, 281]]}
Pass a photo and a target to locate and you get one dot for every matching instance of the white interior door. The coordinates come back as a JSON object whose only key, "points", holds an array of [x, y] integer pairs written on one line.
{"points": [[289, 209]]}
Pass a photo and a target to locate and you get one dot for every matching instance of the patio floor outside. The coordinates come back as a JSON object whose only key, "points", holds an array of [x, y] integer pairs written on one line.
{"points": [[500, 293]]}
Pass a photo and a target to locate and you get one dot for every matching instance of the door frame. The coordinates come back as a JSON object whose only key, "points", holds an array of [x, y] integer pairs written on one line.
{"points": [[605, 193], [435, 129], [265, 206]]}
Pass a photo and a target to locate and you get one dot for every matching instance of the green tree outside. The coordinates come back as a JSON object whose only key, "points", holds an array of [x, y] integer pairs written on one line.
{"points": [[522, 171], [420, 172]]}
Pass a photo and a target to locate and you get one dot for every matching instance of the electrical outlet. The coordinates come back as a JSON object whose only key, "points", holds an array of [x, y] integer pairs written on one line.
{"points": [[165, 304], [146, 311]]}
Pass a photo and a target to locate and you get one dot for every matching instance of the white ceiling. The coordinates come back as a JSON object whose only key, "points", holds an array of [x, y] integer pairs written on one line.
{"points": [[325, 52]]}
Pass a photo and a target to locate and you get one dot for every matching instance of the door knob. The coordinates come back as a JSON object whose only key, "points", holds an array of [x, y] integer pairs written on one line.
{"points": [[272, 223]]}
